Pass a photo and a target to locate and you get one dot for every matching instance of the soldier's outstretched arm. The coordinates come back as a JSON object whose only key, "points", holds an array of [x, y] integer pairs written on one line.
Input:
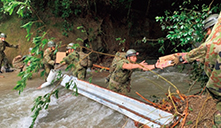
{"points": [[131, 66], [10, 45]]}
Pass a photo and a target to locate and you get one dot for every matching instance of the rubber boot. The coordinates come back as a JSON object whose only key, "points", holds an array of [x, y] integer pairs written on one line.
{"points": [[8, 70], [107, 79]]}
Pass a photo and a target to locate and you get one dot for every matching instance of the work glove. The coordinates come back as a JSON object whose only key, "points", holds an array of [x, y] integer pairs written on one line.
{"points": [[177, 60]]}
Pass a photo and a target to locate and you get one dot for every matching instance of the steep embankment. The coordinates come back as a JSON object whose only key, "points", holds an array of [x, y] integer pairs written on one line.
{"points": [[101, 34], [15, 35], [11, 26]]}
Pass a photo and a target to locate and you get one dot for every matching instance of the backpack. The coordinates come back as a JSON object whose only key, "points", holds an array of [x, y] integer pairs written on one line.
{"points": [[118, 56], [85, 60]]}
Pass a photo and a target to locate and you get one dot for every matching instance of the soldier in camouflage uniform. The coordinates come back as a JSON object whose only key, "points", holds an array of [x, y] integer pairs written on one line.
{"points": [[120, 77], [49, 57], [79, 61], [3, 45], [210, 54]]}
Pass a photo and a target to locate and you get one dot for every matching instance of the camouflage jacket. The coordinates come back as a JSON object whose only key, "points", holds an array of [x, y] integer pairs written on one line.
{"points": [[49, 57], [4, 44], [121, 75], [72, 58], [210, 54]]}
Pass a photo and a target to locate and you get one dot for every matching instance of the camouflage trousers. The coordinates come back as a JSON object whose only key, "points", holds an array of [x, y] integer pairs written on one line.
{"points": [[80, 73], [119, 88], [4, 60], [48, 68], [214, 83]]}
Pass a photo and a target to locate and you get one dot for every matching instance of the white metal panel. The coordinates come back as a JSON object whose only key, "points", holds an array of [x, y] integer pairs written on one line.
{"points": [[134, 109]]}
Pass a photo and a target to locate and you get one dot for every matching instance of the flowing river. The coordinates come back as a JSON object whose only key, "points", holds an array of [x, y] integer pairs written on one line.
{"points": [[78, 111]]}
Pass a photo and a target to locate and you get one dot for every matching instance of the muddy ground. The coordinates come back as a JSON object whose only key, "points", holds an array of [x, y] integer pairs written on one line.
{"points": [[199, 110]]}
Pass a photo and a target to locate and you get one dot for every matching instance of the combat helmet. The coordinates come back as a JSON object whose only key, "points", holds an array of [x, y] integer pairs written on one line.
{"points": [[70, 45], [210, 21], [51, 44], [3, 35], [131, 52]]}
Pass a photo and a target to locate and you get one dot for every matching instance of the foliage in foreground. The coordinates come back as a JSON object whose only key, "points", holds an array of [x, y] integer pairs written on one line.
{"points": [[184, 27], [185, 31], [21, 8]]}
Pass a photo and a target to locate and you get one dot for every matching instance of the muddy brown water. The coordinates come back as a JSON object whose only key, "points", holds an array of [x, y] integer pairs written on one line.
{"points": [[79, 112]]}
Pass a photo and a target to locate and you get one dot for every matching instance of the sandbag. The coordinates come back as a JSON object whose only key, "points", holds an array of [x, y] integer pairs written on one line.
{"points": [[51, 76], [17, 62]]}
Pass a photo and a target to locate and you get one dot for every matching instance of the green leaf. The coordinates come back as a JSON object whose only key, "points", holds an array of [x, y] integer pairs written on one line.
{"points": [[79, 39], [171, 32], [90, 79], [190, 109], [46, 107], [28, 26], [189, 122], [75, 92]]}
